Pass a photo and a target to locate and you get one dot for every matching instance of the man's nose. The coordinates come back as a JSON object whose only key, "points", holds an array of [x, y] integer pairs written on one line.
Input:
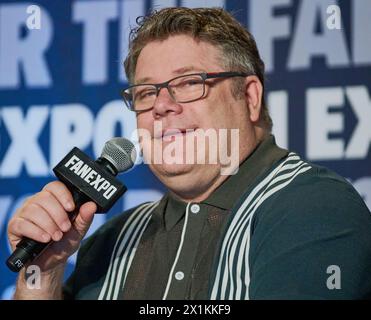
{"points": [[165, 104]]}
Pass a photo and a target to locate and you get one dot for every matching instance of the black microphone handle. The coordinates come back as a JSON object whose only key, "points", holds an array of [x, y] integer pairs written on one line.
{"points": [[28, 249]]}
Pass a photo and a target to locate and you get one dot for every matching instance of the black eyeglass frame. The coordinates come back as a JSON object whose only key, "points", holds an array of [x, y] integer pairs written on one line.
{"points": [[159, 86]]}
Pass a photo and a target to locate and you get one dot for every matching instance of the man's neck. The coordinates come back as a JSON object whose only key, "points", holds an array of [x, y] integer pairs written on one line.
{"points": [[201, 196]]}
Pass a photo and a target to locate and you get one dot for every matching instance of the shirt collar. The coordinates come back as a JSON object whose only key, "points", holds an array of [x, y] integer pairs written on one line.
{"points": [[266, 154], [169, 211]]}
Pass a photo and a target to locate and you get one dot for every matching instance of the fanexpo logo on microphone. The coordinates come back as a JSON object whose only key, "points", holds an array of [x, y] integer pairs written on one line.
{"points": [[89, 175]]}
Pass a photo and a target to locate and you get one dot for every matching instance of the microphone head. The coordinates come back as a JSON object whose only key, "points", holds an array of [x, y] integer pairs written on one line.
{"points": [[120, 152]]}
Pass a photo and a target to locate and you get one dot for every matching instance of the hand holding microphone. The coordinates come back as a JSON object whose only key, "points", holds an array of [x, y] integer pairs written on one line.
{"points": [[51, 224]]}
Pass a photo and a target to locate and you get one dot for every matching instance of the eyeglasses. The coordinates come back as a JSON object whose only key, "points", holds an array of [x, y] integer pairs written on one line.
{"points": [[182, 89]]}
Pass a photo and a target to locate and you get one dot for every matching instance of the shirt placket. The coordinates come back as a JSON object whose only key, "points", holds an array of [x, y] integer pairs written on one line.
{"points": [[181, 271]]}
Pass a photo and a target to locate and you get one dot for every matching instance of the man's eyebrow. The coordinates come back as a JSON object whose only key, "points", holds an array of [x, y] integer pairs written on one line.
{"points": [[142, 80], [176, 72], [187, 69]]}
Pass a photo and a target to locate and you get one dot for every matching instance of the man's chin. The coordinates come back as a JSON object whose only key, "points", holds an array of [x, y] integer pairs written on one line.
{"points": [[172, 169]]}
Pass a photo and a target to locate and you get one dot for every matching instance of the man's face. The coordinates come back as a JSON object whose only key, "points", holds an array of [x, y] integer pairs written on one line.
{"points": [[160, 61]]}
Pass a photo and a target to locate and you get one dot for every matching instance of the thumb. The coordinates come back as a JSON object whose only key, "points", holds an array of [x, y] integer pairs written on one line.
{"points": [[84, 218]]}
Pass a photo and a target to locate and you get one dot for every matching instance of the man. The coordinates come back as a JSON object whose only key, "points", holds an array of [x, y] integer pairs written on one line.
{"points": [[270, 229]]}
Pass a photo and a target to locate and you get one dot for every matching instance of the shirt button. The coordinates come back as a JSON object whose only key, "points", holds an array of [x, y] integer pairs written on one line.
{"points": [[179, 275], [195, 208]]}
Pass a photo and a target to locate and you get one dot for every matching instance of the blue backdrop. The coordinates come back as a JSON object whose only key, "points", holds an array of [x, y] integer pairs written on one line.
{"points": [[61, 72]]}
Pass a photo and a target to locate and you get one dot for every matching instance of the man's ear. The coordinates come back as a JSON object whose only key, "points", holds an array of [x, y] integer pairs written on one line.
{"points": [[253, 96]]}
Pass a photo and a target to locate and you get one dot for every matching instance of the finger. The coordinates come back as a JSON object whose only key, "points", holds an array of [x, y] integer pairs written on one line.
{"points": [[19, 228], [85, 217], [41, 218], [57, 212], [61, 193]]}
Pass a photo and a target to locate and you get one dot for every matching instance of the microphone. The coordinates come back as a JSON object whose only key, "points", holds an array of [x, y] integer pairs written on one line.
{"points": [[87, 180]]}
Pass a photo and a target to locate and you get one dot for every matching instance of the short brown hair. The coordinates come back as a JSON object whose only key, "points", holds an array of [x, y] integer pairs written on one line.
{"points": [[213, 25]]}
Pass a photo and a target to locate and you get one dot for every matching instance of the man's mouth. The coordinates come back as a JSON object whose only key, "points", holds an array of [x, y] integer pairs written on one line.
{"points": [[173, 132]]}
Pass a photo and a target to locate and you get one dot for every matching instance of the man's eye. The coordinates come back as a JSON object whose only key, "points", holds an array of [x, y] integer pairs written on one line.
{"points": [[192, 82], [142, 94], [188, 83]]}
